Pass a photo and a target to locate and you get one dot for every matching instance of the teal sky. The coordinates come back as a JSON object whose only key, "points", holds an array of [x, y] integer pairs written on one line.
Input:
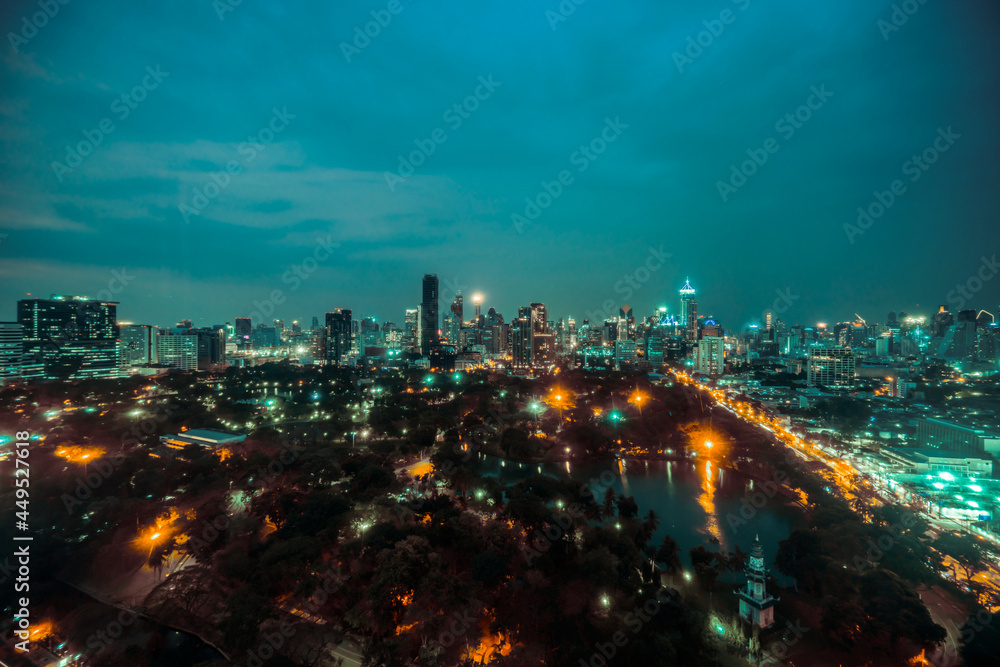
{"points": [[346, 114]]}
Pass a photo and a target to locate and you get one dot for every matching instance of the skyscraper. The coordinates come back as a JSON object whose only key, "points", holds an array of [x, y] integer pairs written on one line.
{"points": [[11, 352], [831, 367], [429, 314], [339, 328], [411, 330], [138, 345], [456, 318], [69, 338], [710, 355], [178, 348], [689, 312]]}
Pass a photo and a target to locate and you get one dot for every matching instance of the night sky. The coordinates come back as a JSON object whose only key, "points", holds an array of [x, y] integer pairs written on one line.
{"points": [[553, 84]]}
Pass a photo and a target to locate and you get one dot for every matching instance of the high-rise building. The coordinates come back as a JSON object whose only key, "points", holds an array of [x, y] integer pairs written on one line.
{"points": [[941, 321], [178, 348], [538, 318], [11, 352], [710, 355], [456, 318], [243, 330], [339, 335], [521, 341], [831, 367], [138, 345], [429, 314], [689, 311], [211, 347], [411, 330], [69, 338]]}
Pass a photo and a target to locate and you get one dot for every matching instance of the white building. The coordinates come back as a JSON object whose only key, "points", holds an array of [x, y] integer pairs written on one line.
{"points": [[831, 367], [710, 355]]}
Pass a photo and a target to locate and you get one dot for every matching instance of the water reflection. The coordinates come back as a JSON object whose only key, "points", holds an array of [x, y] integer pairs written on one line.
{"points": [[707, 501]]}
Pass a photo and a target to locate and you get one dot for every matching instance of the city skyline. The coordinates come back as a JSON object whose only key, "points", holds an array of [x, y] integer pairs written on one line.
{"points": [[663, 140], [782, 304]]}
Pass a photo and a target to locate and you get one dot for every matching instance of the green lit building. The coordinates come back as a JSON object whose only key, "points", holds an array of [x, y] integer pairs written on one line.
{"points": [[69, 338]]}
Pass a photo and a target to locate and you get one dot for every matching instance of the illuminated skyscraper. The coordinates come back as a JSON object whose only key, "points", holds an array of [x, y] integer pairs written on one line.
{"points": [[11, 351], [429, 314], [138, 344], [339, 328], [69, 338], [456, 318], [411, 330], [689, 312]]}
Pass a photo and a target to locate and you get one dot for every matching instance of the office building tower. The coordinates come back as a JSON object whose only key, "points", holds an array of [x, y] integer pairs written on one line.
{"points": [[940, 322], [138, 345], [478, 301], [689, 312], [831, 367], [211, 347], [538, 318], [243, 330], [429, 314], [687, 296], [11, 352], [456, 318], [339, 335], [69, 338], [521, 342], [710, 355], [178, 348], [411, 329]]}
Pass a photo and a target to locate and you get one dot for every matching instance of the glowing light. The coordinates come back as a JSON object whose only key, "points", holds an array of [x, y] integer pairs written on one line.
{"points": [[976, 488], [947, 476]]}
